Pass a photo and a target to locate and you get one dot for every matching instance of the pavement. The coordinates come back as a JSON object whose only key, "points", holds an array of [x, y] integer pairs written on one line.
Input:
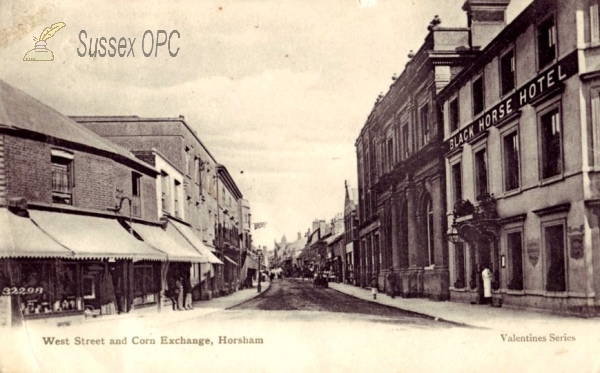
{"points": [[481, 316], [149, 317]]}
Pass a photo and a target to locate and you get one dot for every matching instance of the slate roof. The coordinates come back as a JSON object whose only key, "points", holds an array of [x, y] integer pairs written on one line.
{"points": [[19, 110]]}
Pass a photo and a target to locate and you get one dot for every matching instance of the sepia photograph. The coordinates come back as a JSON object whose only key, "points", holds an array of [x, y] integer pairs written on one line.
{"points": [[299, 186]]}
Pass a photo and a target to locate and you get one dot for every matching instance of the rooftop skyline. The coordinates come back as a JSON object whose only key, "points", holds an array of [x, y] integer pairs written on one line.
{"points": [[278, 91]]}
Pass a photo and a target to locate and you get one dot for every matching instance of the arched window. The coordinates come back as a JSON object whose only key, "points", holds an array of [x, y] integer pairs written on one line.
{"points": [[429, 244]]}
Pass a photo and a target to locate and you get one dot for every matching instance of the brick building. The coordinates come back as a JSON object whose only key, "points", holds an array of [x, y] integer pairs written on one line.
{"points": [[199, 195], [63, 190]]}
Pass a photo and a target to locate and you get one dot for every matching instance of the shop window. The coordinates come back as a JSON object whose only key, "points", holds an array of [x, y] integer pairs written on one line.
{"points": [[425, 127], [554, 245], [507, 72], [478, 98], [62, 177], [457, 182], [37, 276], [481, 182], [453, 114], [144, 282], [511, 161], [459, 265], [546, 40], [514, 243], [551, 147], [89, 287]]}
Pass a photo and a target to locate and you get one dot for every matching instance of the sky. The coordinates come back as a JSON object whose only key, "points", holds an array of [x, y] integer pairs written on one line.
{"points": [[278, 90]]}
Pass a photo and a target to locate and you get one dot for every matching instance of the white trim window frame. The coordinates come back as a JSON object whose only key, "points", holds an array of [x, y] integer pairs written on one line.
{"points": [[550, 116]]}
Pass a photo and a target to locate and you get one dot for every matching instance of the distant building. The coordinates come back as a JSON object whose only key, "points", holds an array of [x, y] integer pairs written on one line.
{"points": [[351, 252]]}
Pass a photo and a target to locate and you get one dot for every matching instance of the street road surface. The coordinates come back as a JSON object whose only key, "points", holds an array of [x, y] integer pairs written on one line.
{"points": [[291, 327]]}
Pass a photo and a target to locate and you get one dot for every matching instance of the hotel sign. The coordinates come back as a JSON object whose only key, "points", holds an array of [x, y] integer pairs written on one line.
{"points": [[536, 87]]}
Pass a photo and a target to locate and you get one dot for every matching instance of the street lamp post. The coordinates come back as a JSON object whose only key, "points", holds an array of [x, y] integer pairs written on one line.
{"points": [[259, 254]]}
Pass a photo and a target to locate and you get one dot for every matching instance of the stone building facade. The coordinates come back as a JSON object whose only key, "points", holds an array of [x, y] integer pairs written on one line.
{"points": [[521, 147]]}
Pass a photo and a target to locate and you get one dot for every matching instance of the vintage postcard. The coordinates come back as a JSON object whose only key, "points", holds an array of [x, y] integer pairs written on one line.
{"points": [[300, 186]]}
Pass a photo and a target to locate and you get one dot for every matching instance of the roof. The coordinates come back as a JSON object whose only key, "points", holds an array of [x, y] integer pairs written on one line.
{"points": [[139, 120], [332, 239], [505, 37], [19, 110]]}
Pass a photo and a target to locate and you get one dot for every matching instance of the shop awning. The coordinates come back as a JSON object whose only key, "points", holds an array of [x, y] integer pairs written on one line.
{"points": [[194, 240], [20, 237], [231, 260], [94, 237], [159, 239]]}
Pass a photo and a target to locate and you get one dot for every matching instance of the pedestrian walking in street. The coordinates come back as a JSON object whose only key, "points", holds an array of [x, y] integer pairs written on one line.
{"points": [[391, 282], [271, 276], [374, 287]]}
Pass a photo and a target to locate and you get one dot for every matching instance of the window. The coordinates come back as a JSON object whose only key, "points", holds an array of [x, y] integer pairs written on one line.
{"points": [[136, 193], [425, 130], [390, 146], [429, 224], [507, 72], [551, 147], [177, 202], [481, 184], [514, 244], [554, 243], [546, 38], [404, 135], [457, 182], [511, 162], [187, 160], [144, 282], [594, 22], [453, 114], [165, 191], [459, 261], [62, 177], [478, 99]]}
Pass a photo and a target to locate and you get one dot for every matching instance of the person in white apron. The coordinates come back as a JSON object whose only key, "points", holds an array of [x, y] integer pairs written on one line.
{"points": [[486, 275]]}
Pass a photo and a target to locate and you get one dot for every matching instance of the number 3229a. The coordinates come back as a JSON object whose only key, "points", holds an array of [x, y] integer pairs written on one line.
{"points": [[21, 291]]}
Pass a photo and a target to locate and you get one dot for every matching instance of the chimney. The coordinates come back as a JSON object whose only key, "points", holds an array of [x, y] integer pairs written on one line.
{"points": [[315, 225], [485, 18], [299, 236]]}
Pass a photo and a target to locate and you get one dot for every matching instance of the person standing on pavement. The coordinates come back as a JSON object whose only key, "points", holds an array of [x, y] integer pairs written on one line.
{"points": [[187, 293], [374, 287], [391, 282], [179, 292], [486, 276]]}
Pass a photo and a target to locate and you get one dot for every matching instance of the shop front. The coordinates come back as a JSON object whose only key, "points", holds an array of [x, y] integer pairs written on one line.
{"points": [[58, 268]]}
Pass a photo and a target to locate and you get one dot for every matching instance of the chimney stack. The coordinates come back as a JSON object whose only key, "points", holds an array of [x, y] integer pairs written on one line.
{"points": [[485, 18]]}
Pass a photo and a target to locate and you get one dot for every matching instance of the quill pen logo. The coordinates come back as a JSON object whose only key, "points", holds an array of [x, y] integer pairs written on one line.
{"points": [[40, 52]]}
